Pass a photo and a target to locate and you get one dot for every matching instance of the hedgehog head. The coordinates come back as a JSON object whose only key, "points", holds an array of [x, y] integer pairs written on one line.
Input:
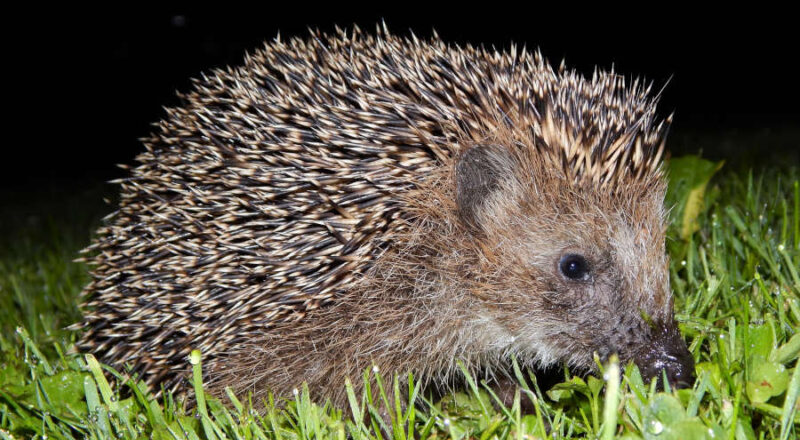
{"points": [[568, 238]]}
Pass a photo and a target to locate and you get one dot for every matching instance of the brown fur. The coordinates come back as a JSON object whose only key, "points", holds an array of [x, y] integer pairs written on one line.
{"points": [[303, 217], [444, 296]]}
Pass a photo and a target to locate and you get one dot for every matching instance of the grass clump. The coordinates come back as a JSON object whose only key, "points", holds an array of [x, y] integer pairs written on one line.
{"points": [[735, 259]]}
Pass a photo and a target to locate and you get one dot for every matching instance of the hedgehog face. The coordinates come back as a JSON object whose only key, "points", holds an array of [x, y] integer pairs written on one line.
{"points": [[579, 271]]}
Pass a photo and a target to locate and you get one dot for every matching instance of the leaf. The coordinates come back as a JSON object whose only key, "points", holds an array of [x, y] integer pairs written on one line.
{"points": [[688, 178], [65, 391], [767, 379], [662, 413], [788, 351], [595, 385], [566, 390], [694, 429], [666, 419], [712, 369], [760, 342], [665, 409]]}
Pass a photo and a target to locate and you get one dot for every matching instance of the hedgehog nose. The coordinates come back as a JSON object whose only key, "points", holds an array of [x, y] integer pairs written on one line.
{"points": [[667, 352]]}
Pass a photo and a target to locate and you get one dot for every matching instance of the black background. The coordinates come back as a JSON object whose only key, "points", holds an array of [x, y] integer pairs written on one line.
{"points": [[87, 84]]}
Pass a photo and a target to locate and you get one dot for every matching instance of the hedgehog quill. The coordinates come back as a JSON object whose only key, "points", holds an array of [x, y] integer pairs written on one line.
{"points": [[357, 199]]}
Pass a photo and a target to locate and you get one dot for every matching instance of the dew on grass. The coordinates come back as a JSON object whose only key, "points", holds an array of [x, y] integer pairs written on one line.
{"points": [[656, 427], [726, 405]]}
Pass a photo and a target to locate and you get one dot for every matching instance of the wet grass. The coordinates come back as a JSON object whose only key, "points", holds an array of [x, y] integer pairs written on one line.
{"points": [[735, 250]]}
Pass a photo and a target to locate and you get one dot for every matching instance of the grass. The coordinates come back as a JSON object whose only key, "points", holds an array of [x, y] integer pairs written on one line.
{"points": [[735, 250]]}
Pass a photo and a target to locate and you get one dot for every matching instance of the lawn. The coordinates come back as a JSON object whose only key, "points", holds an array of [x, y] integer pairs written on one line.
{"points": [[735, 257]]}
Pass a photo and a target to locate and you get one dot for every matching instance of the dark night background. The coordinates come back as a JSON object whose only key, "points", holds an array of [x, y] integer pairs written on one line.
{"points": [[82, 86], [88, 85]]}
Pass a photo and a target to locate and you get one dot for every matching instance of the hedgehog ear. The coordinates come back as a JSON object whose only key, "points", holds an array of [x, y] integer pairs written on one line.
{"points": [[478, 172]]}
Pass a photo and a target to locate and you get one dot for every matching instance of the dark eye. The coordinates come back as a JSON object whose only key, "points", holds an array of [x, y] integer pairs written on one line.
{"points": [[574, 267]]}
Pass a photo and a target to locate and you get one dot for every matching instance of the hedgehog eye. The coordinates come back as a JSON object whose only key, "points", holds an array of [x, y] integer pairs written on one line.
{"points": [[574, 267]]}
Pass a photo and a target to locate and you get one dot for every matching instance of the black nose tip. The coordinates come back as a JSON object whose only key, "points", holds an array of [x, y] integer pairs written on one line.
{"points": [[679, 369], [667, 352]]}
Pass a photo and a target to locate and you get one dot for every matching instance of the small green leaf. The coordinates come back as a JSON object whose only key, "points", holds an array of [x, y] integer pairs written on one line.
{"points": [[760, 341], [767, 379], [788, 351], [595, 385], [65, 391], [566, 390], [712, 370], [693, 429], [665, 409], [688, 178], [666, 419]]}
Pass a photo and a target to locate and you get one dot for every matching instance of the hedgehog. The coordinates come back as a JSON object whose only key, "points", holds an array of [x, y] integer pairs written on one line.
{"points": [[355, 200]]}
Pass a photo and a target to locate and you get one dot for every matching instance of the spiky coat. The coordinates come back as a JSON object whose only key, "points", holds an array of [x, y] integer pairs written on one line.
{"points": [[298, 218]]}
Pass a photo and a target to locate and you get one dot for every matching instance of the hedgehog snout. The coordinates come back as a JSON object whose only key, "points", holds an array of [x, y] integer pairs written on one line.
{"points": [[666, 351]]}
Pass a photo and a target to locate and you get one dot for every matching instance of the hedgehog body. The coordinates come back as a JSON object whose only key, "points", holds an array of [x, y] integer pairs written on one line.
{"points": [[352, 200]]}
